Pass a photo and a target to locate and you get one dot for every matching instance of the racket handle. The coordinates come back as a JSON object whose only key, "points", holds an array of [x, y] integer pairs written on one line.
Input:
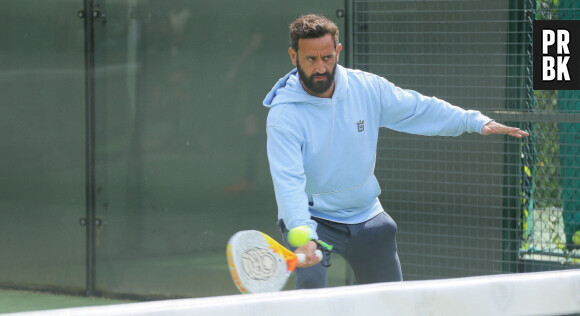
{"points": [[302, 257]]}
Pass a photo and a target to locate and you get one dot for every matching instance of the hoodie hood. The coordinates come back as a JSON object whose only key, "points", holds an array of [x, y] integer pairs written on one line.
{"points": [[289, 90]]}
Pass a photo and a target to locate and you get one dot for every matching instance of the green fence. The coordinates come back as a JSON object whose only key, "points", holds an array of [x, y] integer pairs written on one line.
{"points": [[474, 205], [553, 212]]}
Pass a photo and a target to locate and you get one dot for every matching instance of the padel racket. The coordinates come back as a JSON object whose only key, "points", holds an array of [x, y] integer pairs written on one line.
{"points": [[260, 264]]}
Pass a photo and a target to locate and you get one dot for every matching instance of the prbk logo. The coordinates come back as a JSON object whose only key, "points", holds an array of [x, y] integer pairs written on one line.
{"points": [[556, 55]]}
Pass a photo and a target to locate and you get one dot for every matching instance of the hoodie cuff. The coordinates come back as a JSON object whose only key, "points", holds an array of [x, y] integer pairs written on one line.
{"points": [[478, 121]]}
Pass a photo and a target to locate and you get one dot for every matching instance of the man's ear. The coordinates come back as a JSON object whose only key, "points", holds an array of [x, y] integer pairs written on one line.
{"points": [[293, 55], [338, 49]]}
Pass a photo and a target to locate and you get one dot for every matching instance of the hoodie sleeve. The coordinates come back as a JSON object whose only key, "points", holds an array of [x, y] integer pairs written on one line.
{"points": [[287, 169], [410, 112]]}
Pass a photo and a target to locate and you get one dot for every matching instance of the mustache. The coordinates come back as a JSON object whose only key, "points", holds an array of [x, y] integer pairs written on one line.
{"points": [[325, 74]]}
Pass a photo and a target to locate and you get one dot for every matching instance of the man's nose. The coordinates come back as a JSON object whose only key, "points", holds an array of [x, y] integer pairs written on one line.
{"points": [[319, 67]]}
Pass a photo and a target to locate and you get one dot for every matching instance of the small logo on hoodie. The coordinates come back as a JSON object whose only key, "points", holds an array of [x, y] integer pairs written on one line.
{"points": [[360, 125]]}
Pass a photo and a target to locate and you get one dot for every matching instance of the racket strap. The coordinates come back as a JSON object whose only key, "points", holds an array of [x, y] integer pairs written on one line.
{"points": [[326, 250]]}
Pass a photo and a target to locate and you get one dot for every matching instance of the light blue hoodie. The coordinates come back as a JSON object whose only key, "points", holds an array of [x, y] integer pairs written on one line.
{"points": [[322, 150]]}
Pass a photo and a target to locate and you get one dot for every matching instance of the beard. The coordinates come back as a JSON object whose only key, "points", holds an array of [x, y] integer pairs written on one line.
{"points": [[319, 86]]}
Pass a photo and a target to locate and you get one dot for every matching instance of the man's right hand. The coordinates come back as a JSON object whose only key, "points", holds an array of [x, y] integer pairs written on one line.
{"points": [[308, 251]]}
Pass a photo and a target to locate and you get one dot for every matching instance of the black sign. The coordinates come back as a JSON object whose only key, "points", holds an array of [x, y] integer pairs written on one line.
{"points": [[557, 55]]}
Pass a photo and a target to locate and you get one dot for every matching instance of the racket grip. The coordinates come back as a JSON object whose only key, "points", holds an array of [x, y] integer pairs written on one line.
{"points": [[302, 257]]}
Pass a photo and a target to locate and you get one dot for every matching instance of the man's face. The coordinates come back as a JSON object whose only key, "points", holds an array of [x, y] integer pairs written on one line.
{"points": [[316, 61]]}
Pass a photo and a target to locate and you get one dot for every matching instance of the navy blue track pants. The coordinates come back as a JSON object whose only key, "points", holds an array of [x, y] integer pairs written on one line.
{"points": [[369, 247]]}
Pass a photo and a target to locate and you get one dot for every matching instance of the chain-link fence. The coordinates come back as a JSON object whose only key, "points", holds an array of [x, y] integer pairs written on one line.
{"points": [[475, 205], [552, 214]]}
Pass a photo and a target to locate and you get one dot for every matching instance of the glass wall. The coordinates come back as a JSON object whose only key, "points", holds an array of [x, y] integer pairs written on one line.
{"points": [[180, 140], [42, 130]]}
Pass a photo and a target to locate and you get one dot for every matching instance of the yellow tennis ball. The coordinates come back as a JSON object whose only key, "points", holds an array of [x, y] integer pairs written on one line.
{"points": [[299, 236], [576, 238]]}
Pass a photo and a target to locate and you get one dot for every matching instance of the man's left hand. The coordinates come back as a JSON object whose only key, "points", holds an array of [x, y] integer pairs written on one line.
{"points": [[497, 128]]}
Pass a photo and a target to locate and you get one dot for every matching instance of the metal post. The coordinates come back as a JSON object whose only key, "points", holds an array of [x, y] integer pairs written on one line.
{"points": [[349, 39], [89, 13]]}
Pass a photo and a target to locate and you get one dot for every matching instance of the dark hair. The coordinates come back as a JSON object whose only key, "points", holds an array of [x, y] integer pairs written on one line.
{"points": [[312, 26]]}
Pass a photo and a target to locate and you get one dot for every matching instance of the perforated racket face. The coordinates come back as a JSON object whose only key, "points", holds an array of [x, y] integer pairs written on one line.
{"points": [[254, 265]]}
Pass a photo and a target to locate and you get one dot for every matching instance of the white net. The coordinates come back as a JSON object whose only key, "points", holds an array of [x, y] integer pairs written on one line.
{"points": [[543, 293]]}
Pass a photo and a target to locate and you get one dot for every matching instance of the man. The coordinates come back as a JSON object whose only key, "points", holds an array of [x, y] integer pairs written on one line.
{"points": [[323, 127]]}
